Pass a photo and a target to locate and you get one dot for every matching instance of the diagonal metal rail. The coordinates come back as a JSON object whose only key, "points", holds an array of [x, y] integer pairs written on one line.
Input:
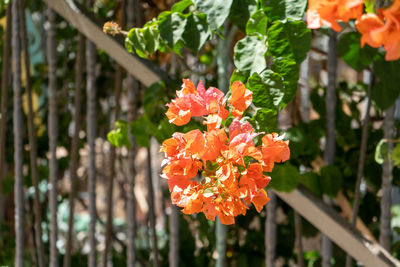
{"points": [[328, 221], [91, 30], [310, 207]]}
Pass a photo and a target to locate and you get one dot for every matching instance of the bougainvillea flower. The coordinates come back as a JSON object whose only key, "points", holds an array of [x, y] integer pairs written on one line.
{"points": [[187, 88], [370, 26], [240, 98], [274, 149], [382, 29], [179, 112], [329, 12], [182, 168], [392, 27], [231, 165], [192, 102], [260, 199], [194, 143], [215, 142]]}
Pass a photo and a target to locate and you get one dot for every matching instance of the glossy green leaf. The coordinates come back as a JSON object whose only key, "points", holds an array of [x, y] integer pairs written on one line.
{"points": [[284, 9], [284, 177], [290, 40], [119, 136], [369, 6], [331, 180], [268, 89], [144, 41], [265, 120], [140, 129], [237, 75], [386, 91], [381, 151], [350, 50], [240, 12], [311, 180], [290, 72], [249, 55], [154, 101], [257, 23], [395, 156], [172, 27], [197, 31], [181, 6], [217, 11]]}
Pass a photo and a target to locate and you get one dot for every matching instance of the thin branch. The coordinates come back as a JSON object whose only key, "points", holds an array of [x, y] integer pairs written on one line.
{"points": [[18, 138], [152, 215], [32, 141], [270, 231], [53, 133], [110, 187], [330, 145], [387, 177], [79, 68], [298, 233], [133, 18], [91, 135], [361, 160], [4, 102]]}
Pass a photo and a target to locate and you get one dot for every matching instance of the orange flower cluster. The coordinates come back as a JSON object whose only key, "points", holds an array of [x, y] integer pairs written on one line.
{"points": [[328, 12], [232, 167], [382, 29]]}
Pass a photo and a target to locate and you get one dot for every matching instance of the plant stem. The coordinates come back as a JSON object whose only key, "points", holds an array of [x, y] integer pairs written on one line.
{"points": [[18, 138], [79, 64], [91, 136], [270, 231], [152, 215], [361, 160], [53, 132], [32, 141], [387, 176], [330, 144], [4, 105]]}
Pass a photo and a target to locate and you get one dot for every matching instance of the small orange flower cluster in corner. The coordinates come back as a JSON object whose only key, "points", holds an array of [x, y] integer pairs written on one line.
{"points": [[232, 167], [381, 29]]}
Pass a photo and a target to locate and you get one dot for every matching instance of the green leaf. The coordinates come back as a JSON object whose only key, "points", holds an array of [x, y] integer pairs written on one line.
{"points": [[268, 89], [120, 135], [386, 91], [163, 130], [249, 55], [350, 50], [237, 75], [381, 151], [311, 180], [181, 6], [369, 6], [395, 156], [301, 144], [284, 177], [197, 31], [140, 130], [265, 120], [172, 27], [143, 41], [257, 23], [290, 40], [331, 180], [284, 9], [290, 72], [217, 11], [240, 12], [154, 101]]}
